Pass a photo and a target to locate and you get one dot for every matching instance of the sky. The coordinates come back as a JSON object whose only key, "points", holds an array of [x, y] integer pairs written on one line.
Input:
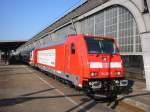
{"points": [[22, 19]]}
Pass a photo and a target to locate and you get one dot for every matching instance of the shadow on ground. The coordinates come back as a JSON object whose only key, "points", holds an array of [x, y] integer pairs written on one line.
{"points": [[27, 97]]}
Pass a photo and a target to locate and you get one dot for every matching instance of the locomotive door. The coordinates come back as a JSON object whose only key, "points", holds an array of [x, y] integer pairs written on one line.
{"points": [[67, 58]]}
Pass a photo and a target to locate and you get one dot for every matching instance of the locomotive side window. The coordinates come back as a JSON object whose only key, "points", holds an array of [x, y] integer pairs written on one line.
{"points": [[101, 45], [72, 48]]}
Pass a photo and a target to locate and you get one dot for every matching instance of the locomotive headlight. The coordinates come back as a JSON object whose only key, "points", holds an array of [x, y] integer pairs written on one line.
{"points": [[94, 74], [116, 81], [118, 73]]}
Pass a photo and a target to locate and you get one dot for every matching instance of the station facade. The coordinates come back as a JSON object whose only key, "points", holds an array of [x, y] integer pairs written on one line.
{"points": [[126, 20]]}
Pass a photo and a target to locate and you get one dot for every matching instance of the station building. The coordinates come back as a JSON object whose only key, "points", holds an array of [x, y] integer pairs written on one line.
{"points": [[126, 20]]}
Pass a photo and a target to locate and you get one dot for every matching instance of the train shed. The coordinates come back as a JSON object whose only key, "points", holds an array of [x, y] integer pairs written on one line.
{"points": [[125, 20]]}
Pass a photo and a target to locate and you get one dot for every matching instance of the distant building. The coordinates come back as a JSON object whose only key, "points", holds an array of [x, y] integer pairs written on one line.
{"points": [[7, 47]]}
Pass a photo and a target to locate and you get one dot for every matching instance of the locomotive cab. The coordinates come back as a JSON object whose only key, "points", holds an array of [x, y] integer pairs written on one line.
{"points": [[104, 72], [104, 58], [95, 63]]}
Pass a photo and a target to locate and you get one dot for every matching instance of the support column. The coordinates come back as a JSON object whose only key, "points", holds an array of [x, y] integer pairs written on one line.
{"points": [[78, 27], [145, 39]]}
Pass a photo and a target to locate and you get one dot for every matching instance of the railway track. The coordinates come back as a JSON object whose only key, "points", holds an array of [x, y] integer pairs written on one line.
{"points": [[117, 105]]}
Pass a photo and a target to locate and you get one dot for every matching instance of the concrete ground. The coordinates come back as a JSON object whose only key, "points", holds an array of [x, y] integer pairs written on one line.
{"points": [[23, 89]]}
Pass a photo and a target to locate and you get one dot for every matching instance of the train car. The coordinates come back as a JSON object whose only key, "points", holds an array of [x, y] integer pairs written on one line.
{"points": [[90, 62]]}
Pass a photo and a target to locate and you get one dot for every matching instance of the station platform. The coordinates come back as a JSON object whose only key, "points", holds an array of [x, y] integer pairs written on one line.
{"points": [[139, 97], [23, 89]]}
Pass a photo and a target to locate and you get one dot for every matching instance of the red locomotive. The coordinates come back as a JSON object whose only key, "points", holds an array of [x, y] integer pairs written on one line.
{"points": [[89, 62]]}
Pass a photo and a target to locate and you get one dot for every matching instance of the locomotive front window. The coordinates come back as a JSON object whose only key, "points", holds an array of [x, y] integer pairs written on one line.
{"points": [[101, 45]]}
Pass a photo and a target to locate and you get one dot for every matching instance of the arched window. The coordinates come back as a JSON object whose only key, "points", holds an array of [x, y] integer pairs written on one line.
{"points": [[114, 21]]}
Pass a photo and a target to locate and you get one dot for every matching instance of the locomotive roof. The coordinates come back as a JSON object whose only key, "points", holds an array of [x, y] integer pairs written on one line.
{"points": [[50, 43]]}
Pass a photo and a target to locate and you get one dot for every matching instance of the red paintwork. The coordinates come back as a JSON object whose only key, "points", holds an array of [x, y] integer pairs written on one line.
{"points": [[79, 63]]}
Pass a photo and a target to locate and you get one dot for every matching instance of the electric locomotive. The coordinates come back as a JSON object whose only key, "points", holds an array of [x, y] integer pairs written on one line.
{"points": [[92, 63]]}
